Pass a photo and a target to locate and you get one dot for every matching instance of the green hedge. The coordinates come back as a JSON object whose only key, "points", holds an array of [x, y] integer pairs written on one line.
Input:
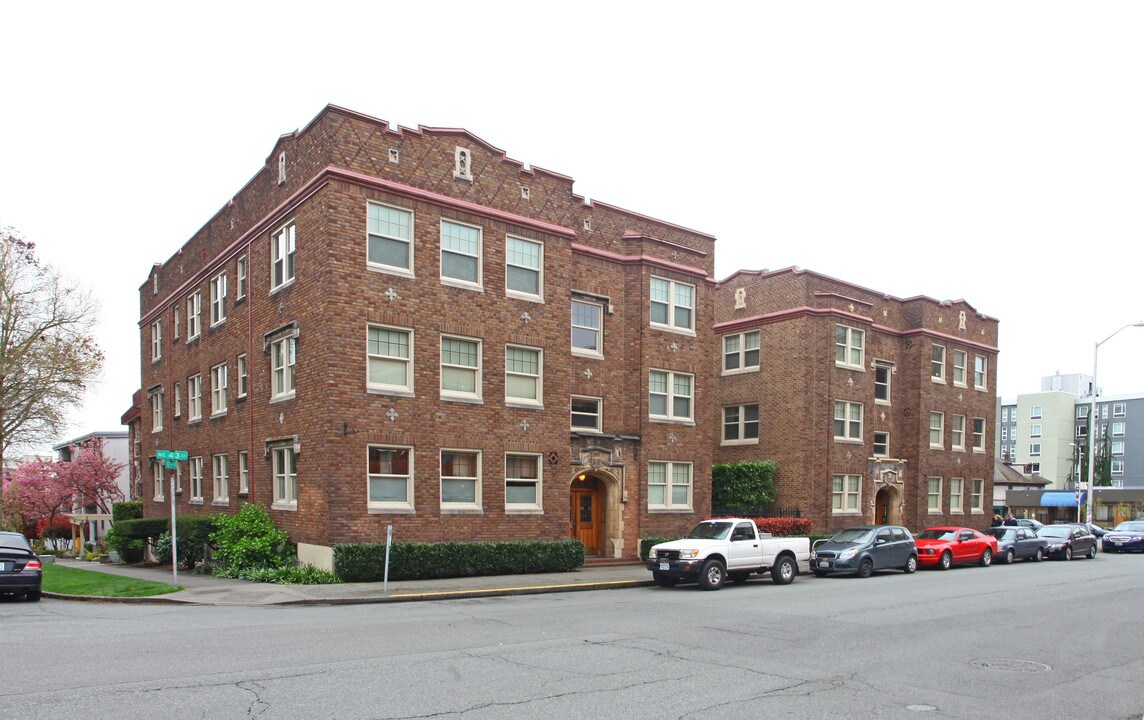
{"points": [[365, 562], [143, 528], [126, 510], [647, 543]]}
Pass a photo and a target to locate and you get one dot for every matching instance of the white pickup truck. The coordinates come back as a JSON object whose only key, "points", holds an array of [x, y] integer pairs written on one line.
{"points": [[732, 548]]}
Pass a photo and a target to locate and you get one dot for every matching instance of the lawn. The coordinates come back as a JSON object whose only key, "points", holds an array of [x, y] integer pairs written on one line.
{"points": [[74, 581]]}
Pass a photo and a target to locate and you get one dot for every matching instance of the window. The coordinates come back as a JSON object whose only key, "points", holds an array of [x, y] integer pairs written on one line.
{"points": [[980, 366], [175, 323], [157, 472], [178, 401], [390, 478], [282, 247], [1005, 414], [523, 368], [178, 479], [460, 368], [881, 444], [1104, 412], [669, 395], [846, 493], [956, 494], [221, 481], [1081, 412], [933, 494], [1035, 430], [194, 306], [1117, 467], [194, 398], [849, 346], [218, 390], [1034, 449], [937, 430], [389, 234], [957, 430], [243, 473], [1118, 428], [1117, 447], [1081, 431], [672, 304], [959, 365], [587, 324], [156, 340], [218, 299], [847, 420], [196, 479], [977, 495], [937, 363], [1119, 410], [389, 354], [586, 414], [1035, 412], [668, 486], [883, 374], [522, 482], [1005, 432], [524, 267], [460, 479], [460, 253], [243, 379], [741, 352], [240, 282], [282, 359], [285, 469], [741, 424]]}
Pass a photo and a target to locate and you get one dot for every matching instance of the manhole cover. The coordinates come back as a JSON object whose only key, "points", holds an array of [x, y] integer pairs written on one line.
{"points": [[1013, 666]]}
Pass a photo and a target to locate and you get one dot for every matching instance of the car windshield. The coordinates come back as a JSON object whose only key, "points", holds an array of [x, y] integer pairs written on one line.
{"points": [[1056, 531], [1131, 526], [710, 531], [937, 534], [1000, 532], [852, 535]]}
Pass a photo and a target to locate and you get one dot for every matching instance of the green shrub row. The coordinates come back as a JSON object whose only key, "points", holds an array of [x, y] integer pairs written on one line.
{"points": [[365, 562], [647, 543]]}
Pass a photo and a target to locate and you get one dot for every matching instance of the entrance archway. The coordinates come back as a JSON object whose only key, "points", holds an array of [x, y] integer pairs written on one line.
{"points": [[595, 513], [888, 506]]}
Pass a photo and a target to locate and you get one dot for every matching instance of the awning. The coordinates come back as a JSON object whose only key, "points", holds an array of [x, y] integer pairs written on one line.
{"points": [[1061, 499]]}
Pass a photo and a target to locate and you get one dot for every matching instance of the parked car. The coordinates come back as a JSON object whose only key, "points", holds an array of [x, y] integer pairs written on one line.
{"points": [[864, 549], [944, 547], [1015, 543], [1068, 541], [1029, 523], [1128, 536], [20, 569]]}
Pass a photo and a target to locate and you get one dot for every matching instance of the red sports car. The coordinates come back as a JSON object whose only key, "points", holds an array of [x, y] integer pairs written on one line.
{"points": [[943, 546]]}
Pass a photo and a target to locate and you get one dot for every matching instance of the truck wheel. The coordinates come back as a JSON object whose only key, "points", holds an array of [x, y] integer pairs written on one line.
{"points": [[664, 580], [783, 571], [866, 568], [712, 575], [738, 577]]}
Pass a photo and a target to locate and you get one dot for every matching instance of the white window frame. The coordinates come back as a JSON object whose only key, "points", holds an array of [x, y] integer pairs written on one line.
{"points": [[670, 394], [937, 363], [671, 483], [980, 372], [671, 305], [957, 432], [283, 251], [598, 331], [477, 370], [478, 283], [176, 322], [377, 353], [221, 477], [243, 472], [371, 476], [1035, 412], [886, 369], [736, 417], [243, 376], [283, 364], [1035, 430], [196, 468], [849, 347], [1117, 447], [1118, 428], [599, 414], [194, 320], [157, 410], [846, 494], [537, 484], [933, 495], [156, 340], [1035, 449], [1081, 412], [218, 390], [178, 401], [382, 230], [1117, 467], [157, 479], [741, 352], [960, 363], [1119, 409], [937, 425], [284, 469], [241, 270], [885, 444], [537, 296], [522, 375], [475, 503], [195, 398], [977, 495], [851, 428], [957, 495], [218, 300]]}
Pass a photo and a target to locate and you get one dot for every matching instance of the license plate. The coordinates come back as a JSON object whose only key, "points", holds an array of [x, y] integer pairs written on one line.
{"points": [[1117, 542], [664, 566], [823, 563], [4, 567]]}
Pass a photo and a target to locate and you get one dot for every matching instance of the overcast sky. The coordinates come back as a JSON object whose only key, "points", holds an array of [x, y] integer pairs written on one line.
{"points": [[986, 151]]}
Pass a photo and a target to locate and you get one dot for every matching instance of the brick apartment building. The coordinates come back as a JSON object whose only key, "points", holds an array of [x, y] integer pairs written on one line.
{"points": [[394, 326], [875, 409], [389, 326]]}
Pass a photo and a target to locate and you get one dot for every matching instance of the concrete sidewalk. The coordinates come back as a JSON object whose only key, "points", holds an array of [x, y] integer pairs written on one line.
{"points": [[209, 590]]}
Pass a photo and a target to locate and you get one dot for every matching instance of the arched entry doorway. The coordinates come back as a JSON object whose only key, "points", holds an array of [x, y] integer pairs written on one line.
{"points": [[888, 506], [586, 513]]}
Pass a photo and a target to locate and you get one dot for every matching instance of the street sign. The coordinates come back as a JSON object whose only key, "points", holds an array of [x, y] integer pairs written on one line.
{"points": [[170, 455], [171, 464]]}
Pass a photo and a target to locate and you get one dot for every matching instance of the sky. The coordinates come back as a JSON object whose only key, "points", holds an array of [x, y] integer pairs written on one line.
{"points": [[985, 151]]}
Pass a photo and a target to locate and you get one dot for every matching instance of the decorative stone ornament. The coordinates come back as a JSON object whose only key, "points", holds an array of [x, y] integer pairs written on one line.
{"points": [[462, 164]]}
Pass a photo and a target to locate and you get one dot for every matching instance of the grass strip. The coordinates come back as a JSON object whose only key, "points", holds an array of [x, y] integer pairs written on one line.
{"points": [[74, 581]]}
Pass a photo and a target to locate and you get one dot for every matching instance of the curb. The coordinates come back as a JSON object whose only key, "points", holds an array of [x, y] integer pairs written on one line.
{"points": [[153, 600]]}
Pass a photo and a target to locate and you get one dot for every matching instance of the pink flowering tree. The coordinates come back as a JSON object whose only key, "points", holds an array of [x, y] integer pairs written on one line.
{"points": [[91, 476], [34, 496]]}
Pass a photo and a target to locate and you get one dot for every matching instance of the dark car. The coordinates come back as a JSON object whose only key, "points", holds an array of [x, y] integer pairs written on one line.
{"points": [[1029, 523], [1067, 541], [1128, 536], [1018, 543], [20, 569], [864, 549]]}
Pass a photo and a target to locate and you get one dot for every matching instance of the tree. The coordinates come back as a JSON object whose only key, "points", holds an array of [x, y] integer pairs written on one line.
{"points": [[35, 494], [91, 476], [48, 355]]}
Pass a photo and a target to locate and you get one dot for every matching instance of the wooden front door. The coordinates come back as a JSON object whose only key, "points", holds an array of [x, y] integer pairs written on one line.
{"points": [[882, 508], [585, 520]]}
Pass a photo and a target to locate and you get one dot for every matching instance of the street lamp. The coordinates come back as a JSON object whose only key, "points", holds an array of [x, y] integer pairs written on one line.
{"points": [[1092, 426]]}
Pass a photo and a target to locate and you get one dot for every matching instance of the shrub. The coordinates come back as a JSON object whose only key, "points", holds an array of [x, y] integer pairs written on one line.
{"points": [[248, 539], [784, 526], [130, 549], [743, 488], [365, 562], [287, 575], [647, 543], [126, 510]]}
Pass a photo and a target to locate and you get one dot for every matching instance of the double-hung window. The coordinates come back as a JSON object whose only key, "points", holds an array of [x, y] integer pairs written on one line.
{"points": [[978, 434], [587, 414], [849, 346], [522, 482], [194, 398], [218, 390], [672, 304], [937, 430], [240, 278], [243, 377], [669, 395], [883, 378], [389, 359], [523, 375], [178, 401], [157, 477], [389, 238], [460, 253], [460, 368], [156, 340], [218, 299], [524, 268], [221, 479], [194, 307], [1118, 428], [282, 363], [156, 409], [196, 479], [741, 424], [846, 492], [980, 370], [1119, 409], [587, 328], [284, 463], [957, 431], [390, 478], [937, 363], [282, 248], [460, 479], [933, 494], [741, 352], [956, 494], [881, 444], [243, 473], [669, 486], [959, 364], [976, 495], [847, 420]]}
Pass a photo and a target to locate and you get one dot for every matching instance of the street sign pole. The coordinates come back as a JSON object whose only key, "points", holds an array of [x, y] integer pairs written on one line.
{"points": [[174, 536]]}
